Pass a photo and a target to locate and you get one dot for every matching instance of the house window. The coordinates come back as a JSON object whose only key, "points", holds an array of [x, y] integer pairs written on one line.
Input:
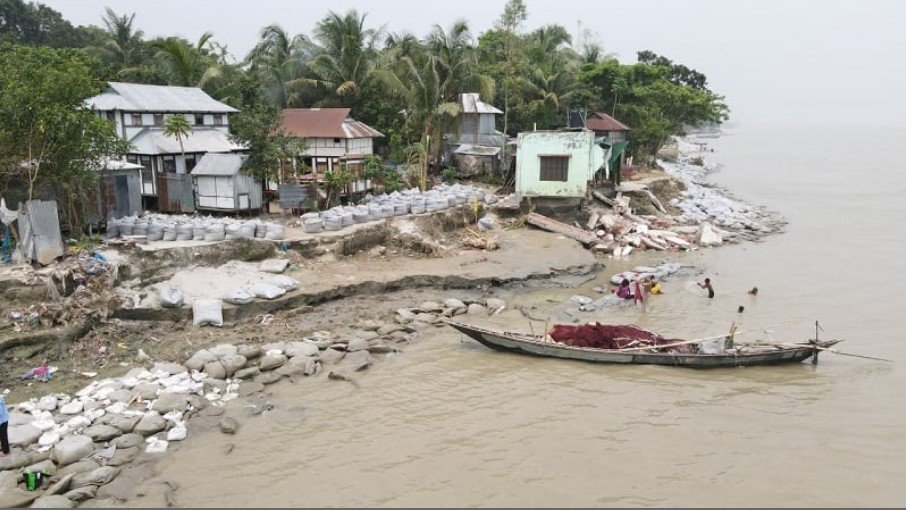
{"points": [[191, 161], [158, 119], [554, 168], [110, 116], [218, 119], [336, 141], [169, 164], [199, 119], [136, 119]]}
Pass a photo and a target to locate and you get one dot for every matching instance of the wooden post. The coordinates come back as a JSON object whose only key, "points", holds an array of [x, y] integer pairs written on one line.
{"points": [[815, 357]]}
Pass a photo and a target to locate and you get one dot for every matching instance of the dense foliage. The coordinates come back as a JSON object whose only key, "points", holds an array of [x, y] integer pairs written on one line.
{"points": [[404, 85]]}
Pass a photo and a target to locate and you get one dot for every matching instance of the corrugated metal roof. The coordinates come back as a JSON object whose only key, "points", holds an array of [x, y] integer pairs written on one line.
{"points": [[157, 98], [118, 164], [477, 150], [219, 164], [602, 122], [325, 123], [472, 103], [153, 141]]}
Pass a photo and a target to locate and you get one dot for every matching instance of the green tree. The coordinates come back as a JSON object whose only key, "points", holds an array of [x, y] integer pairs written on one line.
{"points": [[514, 15], [188, 65], [258, 128], [48, 139], [280, 62], [178, 127], [123, 49], [35, 24], [345, 62]]}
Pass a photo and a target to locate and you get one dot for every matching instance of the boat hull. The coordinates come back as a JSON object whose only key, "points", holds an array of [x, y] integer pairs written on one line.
{"points": [[535, 346]]}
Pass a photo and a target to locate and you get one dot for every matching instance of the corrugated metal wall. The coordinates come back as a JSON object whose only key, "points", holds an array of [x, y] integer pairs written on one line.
{"points": [[175, 193], [296, 196], [40, 231]]}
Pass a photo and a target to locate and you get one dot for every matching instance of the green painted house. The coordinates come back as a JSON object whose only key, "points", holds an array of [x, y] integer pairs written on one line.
{"points": [[559, 163]]}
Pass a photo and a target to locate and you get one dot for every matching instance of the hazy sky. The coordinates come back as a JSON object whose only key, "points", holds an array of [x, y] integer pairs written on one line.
{"points": [[803, 62]]}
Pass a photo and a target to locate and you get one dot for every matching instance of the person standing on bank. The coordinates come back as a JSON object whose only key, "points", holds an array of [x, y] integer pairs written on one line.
{"points": [[4, 423], [707, 285]]}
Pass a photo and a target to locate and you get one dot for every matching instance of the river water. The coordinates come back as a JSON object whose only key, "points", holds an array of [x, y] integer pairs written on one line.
{"points": [[450, 423]]}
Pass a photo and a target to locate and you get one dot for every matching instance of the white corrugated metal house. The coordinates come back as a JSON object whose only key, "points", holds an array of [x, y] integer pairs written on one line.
{"points": [[476, 141], [220, 184], [138, 113]]}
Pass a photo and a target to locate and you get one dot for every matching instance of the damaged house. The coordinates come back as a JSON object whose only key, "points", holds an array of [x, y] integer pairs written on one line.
{"points": [[612, 130], [475, 146], [138, 113], [559, 164]]}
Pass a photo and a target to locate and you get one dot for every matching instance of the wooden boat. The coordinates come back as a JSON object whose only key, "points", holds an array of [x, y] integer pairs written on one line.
{"points": [[741, 355]]}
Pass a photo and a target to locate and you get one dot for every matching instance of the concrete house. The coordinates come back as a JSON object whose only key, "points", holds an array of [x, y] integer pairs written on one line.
{"points": [[474, 147], [138, 113], [559, 164]]}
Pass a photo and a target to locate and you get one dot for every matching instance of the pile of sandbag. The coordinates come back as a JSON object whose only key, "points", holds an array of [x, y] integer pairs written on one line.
{"points": [[165, 227]]}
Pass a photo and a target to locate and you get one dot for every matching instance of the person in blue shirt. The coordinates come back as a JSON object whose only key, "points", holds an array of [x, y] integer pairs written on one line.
{"points": [[4, 422]]}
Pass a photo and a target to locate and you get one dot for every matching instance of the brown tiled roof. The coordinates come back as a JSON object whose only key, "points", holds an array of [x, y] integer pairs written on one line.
{"points": [[325, 123], [602, 122]]}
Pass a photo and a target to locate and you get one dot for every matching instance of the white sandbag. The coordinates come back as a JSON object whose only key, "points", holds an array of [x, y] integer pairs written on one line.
{"points": [[207, 312], [184, 232], [140, 228], [171, 297], [169, 232], [285, 282], [127, 226], [275, 266], [239, 297], [261, 231], [231, 231], [313, 225], [247, 230], [113, 230], [214, 232], [275, 232], [199, 231], [267, 291]]}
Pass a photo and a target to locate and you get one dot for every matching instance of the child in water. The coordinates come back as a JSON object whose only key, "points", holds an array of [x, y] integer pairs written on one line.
{"points": [[707, 285]]}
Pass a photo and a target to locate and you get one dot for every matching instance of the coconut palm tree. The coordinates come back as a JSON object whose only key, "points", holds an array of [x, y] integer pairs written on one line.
{"points": [[123, 50], [345, 62], [280, 62], [178, 127], [188, 65]]}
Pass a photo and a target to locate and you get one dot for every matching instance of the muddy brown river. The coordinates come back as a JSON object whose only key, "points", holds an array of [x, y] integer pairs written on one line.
{"points": [[451, 423]]}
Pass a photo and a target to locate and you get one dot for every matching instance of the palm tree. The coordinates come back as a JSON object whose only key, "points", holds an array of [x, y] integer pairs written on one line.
{"points": [[345, 62], [178, 127], [189, 65], [429, 77], [280, 62], [123, 50]]}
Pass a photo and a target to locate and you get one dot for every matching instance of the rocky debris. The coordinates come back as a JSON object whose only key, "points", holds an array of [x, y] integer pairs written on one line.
{"points": [[83, 466], [271, 362], [271, 377], [453, 303], [387, 329], [249, 351], [124, 456], [495, 304], [101, 433], [16, 459], [331, 356], [24, 435], [301, 349], [229, 425], [476, 309], [357, 344], [128, 441], [339, 376], [72, 449], [82, 493], [215, 369], [99, 476], [708, 236], [151, 423], [247, 373]]}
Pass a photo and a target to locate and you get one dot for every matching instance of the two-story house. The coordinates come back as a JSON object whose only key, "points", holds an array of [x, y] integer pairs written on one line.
{"points": [[475, 145], [139, 112], [333, 138]]}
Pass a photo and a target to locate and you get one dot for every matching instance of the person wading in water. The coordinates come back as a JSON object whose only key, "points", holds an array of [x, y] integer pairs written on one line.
{"points": [[707, 285]]}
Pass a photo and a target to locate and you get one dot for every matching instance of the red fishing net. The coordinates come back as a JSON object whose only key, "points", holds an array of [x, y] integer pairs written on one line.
{"points": [[606, 336]]}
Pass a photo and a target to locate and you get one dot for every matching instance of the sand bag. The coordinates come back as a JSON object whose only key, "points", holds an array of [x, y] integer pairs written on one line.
{"points": [[207, 312], [285, 282], [184, 232], [155, 232], [169, 232], [275, 232], [313, 225], [232, 231], [275, 266], [171, 297], [239, 297], [267, 291], [214, 232]]}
